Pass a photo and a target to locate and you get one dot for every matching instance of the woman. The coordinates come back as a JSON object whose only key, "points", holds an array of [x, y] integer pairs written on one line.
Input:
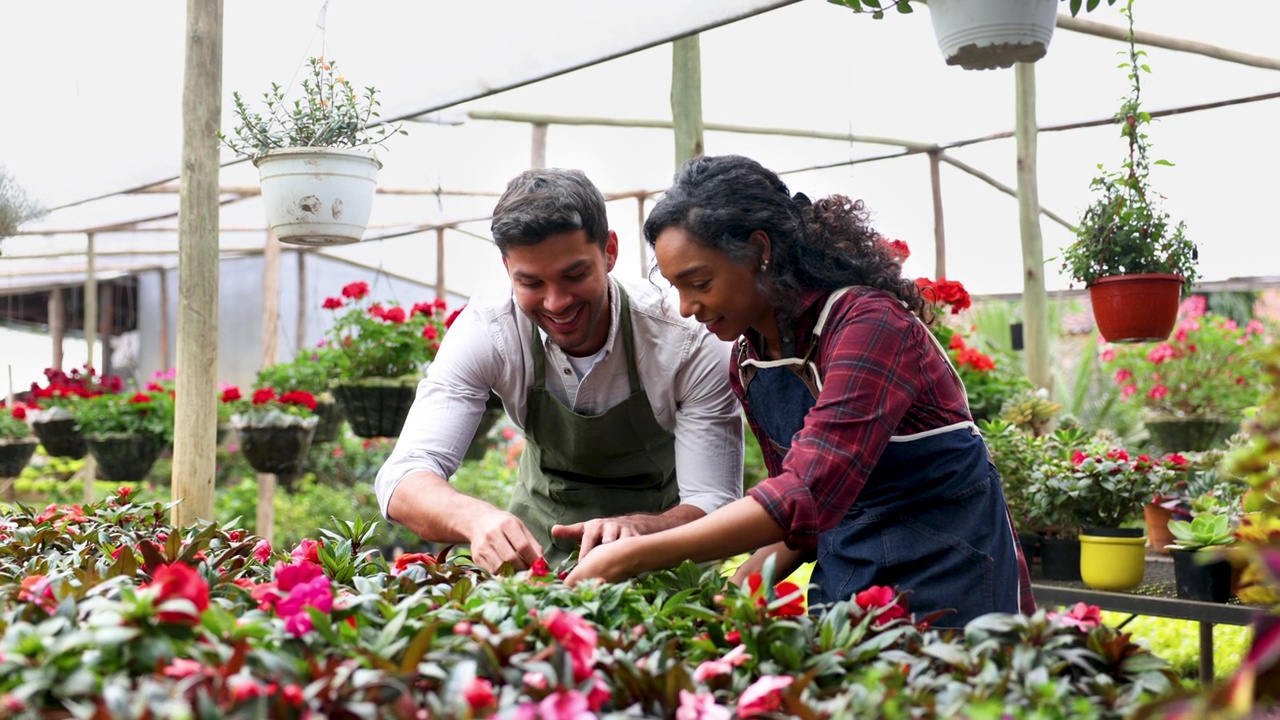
{"points": [[876, 468]]}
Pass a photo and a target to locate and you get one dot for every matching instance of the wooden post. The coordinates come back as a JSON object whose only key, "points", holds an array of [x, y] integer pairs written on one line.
{"points": [[686, 98], [1035, 311], [939, 228], [195, 428], [166, 359], [440, 288], [644, 250], [90, 470], [266, 515], [106, 321], [538, 156], [300, 335], [57, 324]]}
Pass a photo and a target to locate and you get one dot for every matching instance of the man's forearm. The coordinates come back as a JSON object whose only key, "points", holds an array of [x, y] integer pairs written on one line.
{"points": [[676, 516], [432, 509]]}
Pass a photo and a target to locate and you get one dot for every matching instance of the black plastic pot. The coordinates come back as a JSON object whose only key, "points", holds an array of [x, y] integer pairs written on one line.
{"points": [[1208, 582], [1060, 558], [15, 455], [281, 451], [124, 457], [376, 408], [331, 421], [61, 438], [1030, 542]]}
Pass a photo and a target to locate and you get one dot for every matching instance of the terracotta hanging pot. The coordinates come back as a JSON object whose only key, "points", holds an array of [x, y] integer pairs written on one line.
{"points": [[989, 34], [1135, 308]]}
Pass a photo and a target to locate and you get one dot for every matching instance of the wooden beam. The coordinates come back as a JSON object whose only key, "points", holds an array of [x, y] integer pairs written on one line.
{"points": [[538, 149], [1114, 32], [195, 427], [90, 320], [1002, 188], [300, 331], [440, 288], [1035, 302], [266, 516], [57, 311], [251, 190], [166, 361]]}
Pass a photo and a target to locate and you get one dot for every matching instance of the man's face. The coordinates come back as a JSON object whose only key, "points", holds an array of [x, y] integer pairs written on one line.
{"points": [[562, 284]]}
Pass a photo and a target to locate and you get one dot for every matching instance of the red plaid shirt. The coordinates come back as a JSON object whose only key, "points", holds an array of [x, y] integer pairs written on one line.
{"points": [[882, 375]]}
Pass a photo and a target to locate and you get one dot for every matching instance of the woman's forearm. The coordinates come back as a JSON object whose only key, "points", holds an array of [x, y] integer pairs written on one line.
{"points": [[741, 526]]}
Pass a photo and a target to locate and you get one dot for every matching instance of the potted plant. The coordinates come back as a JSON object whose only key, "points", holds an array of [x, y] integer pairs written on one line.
{"points": [[984, 34], [310, 371], [1132, 257], [1200, 575], [381, 351], [17, 443], [314, 156], [1049, 503], [1195, 386], [53, 406], [275, 431], [125, 434]]}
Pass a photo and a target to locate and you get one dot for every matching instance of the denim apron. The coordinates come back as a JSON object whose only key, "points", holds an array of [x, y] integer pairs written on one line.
{"points": [[578, 467], [931, 518]]}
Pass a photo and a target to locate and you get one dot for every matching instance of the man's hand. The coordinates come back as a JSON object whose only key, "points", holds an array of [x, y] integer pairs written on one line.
{"points": [[596, 532], [500, 537]]}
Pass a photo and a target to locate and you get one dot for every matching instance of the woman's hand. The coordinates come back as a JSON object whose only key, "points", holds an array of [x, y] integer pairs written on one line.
{"points": [[611, 562]]}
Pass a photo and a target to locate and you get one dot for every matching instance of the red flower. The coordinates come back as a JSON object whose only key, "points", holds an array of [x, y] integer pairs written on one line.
{"points": [[793, 607], [479, 694], [262, 396], [19, 412], [405, 560], [140, 398], [448, 322], [539, 568], [332, 303], [177, 581], [355, 290], [299, 397], [37, 589], [231, 394], [394, 315], [882, 598]]}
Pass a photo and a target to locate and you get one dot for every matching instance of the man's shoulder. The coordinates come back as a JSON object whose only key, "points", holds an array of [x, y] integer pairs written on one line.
{"points": [[656, 304]]}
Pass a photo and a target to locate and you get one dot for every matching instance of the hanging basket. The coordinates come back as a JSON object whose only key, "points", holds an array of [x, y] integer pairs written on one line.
{"points": [[331, 420], [15, 454], [319, 195], [1172, 434], [376, 408], [279, 450], [124, 457], [1135, 308], [61, 438], [989, 34]]}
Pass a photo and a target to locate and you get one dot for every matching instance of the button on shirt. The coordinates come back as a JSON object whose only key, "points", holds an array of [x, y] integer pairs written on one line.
{"points": [[682, 368]]}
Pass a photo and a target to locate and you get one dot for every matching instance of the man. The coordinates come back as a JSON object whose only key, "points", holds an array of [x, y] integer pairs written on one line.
{"points": [[618, 396]]}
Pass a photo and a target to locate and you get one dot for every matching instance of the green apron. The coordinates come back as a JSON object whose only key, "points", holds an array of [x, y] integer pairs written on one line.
{"points": [[577, 467]]}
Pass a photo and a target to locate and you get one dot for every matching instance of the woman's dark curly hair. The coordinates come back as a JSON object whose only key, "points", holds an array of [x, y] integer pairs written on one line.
{"points": [[721, 200]]}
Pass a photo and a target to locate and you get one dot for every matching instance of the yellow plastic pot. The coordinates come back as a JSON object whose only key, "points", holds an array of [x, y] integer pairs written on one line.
{"points": [[1113, 558]]}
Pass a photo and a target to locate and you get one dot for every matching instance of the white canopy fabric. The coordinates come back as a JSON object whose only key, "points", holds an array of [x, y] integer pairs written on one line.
{"points": [[94, 107]]}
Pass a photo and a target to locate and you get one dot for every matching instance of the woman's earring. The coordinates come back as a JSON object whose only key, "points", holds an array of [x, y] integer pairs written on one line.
{"points": [[764, 265]]}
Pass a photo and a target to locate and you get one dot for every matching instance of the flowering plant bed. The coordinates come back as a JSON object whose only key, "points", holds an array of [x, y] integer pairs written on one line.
{"points": [[109, 612]]}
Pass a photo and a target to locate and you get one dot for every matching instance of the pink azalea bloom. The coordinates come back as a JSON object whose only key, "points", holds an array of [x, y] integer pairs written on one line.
{"points": [[308, 550], [1081, 616], [723, 666], [262, 551], [763, 695], [700, 707], [182, 667], [478, 692], [296, 573], [316, 593], [576, 636]]}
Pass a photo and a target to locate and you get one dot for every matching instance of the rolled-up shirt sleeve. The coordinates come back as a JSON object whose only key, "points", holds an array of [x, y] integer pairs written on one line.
{"points": [[871, 358], [447, 409], [708, 428]]}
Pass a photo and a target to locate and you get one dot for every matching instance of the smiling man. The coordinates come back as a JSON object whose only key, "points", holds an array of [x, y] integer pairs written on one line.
{"points": [[630, 424]]}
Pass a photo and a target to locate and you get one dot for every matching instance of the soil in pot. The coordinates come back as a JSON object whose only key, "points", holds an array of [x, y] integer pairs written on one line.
{"points": [[124, 457], [1060, 558], [1207, 582], [14, 456], [61, 438]]}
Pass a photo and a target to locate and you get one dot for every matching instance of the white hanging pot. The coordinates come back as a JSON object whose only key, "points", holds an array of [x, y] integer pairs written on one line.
{"points": [[318, 196], [989, 34]]}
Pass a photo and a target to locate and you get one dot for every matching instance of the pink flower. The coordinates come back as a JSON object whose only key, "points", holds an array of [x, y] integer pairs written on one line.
{"points": [[1157, 392], [479, 694], [1081, 616], [599, 693], [1108, 355], [883, 598], [723, 666], [576, 636], [181, 594], [700, 707], [762, 696], [38, 589], [535, 681], [308, 550], [316, 593], [560, 705], [1129, 390], [1122, 375], [182, 667], [262, 551]]}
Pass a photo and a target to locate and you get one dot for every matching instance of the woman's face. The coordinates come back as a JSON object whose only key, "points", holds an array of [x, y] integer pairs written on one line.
{"points": [[717, 291]]}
